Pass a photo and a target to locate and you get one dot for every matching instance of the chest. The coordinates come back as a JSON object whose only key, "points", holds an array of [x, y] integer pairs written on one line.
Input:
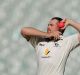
{"points": [[49, 49]]}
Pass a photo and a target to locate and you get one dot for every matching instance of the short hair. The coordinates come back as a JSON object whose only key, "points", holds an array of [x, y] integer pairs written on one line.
{"points": [[57, 18]]}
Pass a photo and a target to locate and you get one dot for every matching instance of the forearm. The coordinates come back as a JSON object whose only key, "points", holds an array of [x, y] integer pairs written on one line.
{"points": [[74, 24], [29, 31]]}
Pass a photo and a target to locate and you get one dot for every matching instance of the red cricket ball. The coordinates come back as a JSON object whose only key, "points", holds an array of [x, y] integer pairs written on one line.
{"points": [[61, 24]]}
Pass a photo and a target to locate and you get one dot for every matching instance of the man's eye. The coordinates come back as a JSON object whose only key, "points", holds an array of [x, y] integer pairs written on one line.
{"points": [[50, 25]]}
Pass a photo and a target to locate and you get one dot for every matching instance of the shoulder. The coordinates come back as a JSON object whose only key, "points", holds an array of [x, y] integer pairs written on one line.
{"points": [[73, 38]]}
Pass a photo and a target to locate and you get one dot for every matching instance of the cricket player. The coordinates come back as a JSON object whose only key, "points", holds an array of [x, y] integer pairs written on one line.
{"points": [[51, 47]]}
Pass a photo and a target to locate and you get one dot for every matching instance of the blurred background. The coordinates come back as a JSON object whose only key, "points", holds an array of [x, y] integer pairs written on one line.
{"points": [[17, 56]]}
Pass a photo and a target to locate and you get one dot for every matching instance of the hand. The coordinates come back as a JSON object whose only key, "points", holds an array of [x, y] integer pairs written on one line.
{"points": [[54, 35], [66, 22]]}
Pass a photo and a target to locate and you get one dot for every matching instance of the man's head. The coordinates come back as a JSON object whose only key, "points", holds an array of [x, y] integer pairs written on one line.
{"points": [[53, 25]]}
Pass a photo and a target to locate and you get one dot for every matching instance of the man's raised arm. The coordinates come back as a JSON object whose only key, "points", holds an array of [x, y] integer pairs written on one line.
{"points": [[74, 24], [27, 32]]}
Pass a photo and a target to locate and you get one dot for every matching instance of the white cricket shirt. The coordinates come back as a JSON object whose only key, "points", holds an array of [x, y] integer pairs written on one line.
{"points": [[52, 56]]}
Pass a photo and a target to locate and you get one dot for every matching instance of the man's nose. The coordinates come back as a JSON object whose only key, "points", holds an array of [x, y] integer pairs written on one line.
{"points": [[48, 28]]}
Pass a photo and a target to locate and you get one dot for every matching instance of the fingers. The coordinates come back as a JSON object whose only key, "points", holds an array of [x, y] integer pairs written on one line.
{"points": [[64, 20], [57, 36], [60, 33]]}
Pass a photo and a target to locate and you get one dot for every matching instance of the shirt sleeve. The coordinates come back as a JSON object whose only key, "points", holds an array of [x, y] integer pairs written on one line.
{"points": [[73, 41], [34, 40]]}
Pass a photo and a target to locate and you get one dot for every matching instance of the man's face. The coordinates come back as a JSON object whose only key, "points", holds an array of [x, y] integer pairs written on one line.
{"points": [[52, 26]]}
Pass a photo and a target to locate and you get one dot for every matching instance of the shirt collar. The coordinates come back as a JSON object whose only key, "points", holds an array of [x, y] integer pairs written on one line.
{"points": [[61, 37]]}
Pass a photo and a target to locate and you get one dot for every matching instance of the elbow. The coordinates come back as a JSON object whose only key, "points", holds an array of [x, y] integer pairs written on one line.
{"points": [[23, 31]]}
